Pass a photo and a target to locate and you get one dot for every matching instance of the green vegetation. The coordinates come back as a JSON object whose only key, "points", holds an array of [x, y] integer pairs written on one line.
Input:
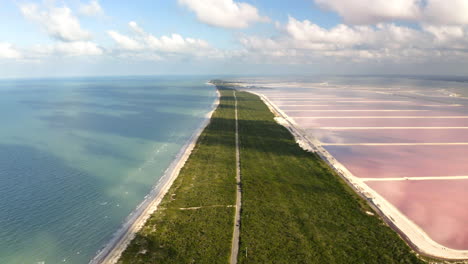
{"points": [[295, 208], [175, 235]]}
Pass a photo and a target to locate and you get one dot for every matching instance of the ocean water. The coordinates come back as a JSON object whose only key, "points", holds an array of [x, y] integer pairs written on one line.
{"points": [[78, 155]]}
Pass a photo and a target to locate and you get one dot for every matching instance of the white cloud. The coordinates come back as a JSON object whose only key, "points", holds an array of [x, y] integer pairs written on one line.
{"points": [[64, 27], [124, 42], [305, 42], [69, 49], [7, 51], [175, 44], [305, 33], [224, 13], [448, 12], [41, 51], [134, 26], [441, 12], [58, 22], [372, 11], [78, 48], [93, 8], [309, 32], [445, 33]]}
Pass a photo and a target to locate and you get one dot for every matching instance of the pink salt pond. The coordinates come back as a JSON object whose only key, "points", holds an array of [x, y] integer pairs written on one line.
{"points": [[324, 106], [423, 135], [437, 206], [402, 161], [377, 112], [381, 122]]}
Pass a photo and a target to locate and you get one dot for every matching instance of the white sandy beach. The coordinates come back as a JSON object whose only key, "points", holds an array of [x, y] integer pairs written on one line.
{"points": [[412, 233], [113, 250]]}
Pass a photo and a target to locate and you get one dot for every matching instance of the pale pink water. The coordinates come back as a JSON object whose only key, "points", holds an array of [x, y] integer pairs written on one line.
{"points": [[382, 122], [317, 113], [324, 106], [439, 207], [402, 161], [391, 135]]}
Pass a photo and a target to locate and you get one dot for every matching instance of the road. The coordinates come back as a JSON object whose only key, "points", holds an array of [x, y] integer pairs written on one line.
{"points": [[237, 220]]}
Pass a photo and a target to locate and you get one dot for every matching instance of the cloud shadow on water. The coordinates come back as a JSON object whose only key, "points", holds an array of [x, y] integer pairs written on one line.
{"points": [[42, 195]]}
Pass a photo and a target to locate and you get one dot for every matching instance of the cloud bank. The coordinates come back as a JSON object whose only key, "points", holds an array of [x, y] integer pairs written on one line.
{"points": [[93, 8], [58, 22], [224, 13], [62, 26], [303, 41], [452, 12], [7, 51], [141, 42], [398, 32], [433, 31]]}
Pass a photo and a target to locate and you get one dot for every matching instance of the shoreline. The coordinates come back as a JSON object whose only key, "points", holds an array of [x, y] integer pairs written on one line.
{"points": [[111, 252], [408, 230]]}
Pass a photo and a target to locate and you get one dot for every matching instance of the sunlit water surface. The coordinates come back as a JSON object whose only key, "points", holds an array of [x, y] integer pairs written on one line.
{"points": [[78, 155]]}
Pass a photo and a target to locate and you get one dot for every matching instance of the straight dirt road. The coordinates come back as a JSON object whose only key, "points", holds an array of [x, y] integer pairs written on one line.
{"points": [[236, 232]]}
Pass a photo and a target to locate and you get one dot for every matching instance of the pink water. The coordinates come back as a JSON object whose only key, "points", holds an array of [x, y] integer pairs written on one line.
{"points": [[382, 122], [391, 135], [297, 114], [402, 161], [439, 207]]}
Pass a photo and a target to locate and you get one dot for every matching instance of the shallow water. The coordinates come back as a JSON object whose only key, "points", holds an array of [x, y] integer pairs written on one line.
{"points": [[438, 207], [78, 155]]}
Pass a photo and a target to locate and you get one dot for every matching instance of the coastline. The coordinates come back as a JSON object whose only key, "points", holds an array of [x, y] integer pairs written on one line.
{"points": [[408, 230], [111, 253]]}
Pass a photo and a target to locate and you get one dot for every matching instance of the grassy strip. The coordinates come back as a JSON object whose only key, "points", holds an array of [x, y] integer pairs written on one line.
{"points": [[296, 209], [203, 235]]}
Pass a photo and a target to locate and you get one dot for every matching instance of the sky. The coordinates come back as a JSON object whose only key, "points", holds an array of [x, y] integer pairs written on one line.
{"points": [[52, 38]]}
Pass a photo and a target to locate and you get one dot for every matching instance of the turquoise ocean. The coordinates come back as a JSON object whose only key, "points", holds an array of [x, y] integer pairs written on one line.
{"points": [[77, 156]]}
